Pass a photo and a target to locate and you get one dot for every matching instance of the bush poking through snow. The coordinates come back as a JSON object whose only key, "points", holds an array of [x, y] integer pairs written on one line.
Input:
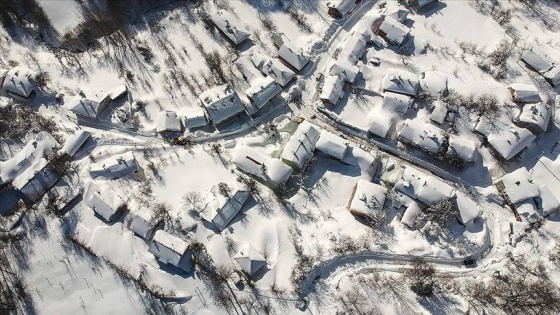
{"points": [[224, 189], [442, 212], [422, 277]]}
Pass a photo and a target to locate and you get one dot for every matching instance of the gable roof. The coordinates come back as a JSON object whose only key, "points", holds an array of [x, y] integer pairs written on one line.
{"points": [[75, 141], [508, 143], [293, 55], [221, 103], [381, 121], [525, 93], [220, 210], [352, 48], [342, 6], [401, 81], [170, 249], [422, 135], [262, 91], [115, 166], [268, 169], [411, 181], [332, 90], [368, 198], [167, 121], [230, 27], [299, 149], [468, 209], [538, 114], [273, 68], [195, 118], [462, 147], [84, 107], [103, 200], [332, 145], [395, 31], [141, 222], [249, 259], [537, 60], [434, 190], [518, 186], [398, 103]]}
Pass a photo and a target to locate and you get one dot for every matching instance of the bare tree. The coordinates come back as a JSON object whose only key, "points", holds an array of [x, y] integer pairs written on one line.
{"points": [[422, 277]]}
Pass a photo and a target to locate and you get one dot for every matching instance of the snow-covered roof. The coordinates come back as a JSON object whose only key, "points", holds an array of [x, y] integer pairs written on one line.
{"points": [[299, 149], [411, 181], [527, 208], [141, 222], [553, 76], [434, 190], [75, 141], [220, 210], [273, 68], [249, 259], [332, 90], [269, 169], [397, 14], [115, 166], [332, 145], [230, 27], [221, 103], [117, 92], [547, 201], [29, 173], [18, 82], [248, 70], [398, 103], [103, 200], [345, 70], [170, 249], [422, 135], [342, 6], [537, 60], [419, 4], [525, 93], [36, 180], [410, 214], [380, 122], [167, 121], [293, 56], [439, 113], [518, 186], [262, 91], [353, 48], [538, 114], [508, 143], [34, 150], [434, 83], [547, 172], [462, 147], [394, 31], [84, 107], [367, 198], [401, 81], [195, 118], [468, 209]]}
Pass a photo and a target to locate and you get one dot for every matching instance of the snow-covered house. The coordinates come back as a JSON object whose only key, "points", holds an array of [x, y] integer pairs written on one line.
{"points": [[18, 83], [353, 48], [292, 57], [85, 108], [232, 30], [273, 68], [411, 181], [262, 91], [546, 174], [425, 136], [340, 8], [221, 103], [143, 223], [393, 31], [195, 118], [42, 144], [301, 146], [537, 61], [508, 142], [434, 84], [397, 103], [517, 186], [75, 142], [410, 214], [535, 117], [270, 171], [116, 166], [547, 202], [553, 76], [220, 209], [524, 93], [171, 250], [434, 190], [439, 113], [35, 181], [345, 70], [461, 147], [468, 209], [167, 121], [332, 145], [332, 90], [381, 121], [401, 81], [397, 13], [367, 198], [418, 5], [249, 259], [104, 201]]}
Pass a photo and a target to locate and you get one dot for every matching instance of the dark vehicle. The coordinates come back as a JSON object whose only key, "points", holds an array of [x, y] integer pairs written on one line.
{"points": [[469, 263]]}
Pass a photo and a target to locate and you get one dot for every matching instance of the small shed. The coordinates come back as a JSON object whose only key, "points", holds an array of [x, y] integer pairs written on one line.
{"points": [[461, 147], [424, 136], [332, 90], [249, 259], [171, 250], [104, 201], [143, 223], [536, 60], [468, 209], [195, 118], [221, 209], [517, 186], [367, 198]]}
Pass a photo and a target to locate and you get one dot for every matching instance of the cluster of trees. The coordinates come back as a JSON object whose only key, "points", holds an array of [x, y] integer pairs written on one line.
{"points": [[25, 14], [18, 121]]}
